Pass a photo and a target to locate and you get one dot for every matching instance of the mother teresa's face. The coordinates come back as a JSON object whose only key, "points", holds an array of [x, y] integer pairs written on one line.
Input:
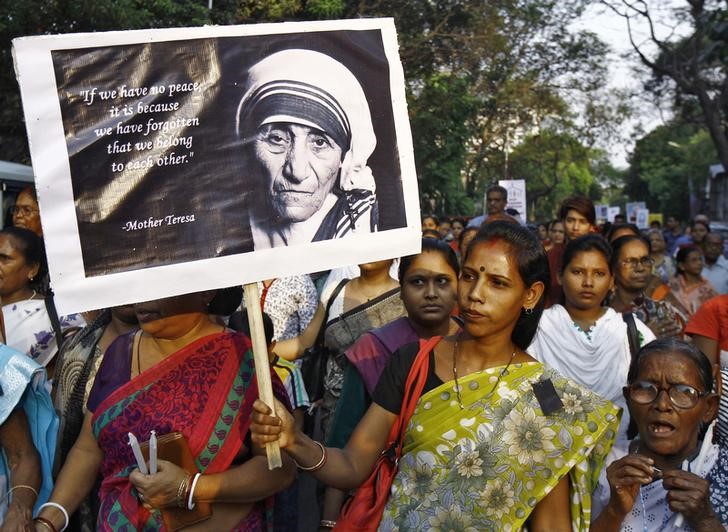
{"points": [[299, 167]]}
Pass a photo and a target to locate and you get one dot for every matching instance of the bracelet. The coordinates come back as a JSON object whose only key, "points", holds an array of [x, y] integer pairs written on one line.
{"points": [[325, 523], [45, 522], [190, 502], [31, 488], [320, 462], [61, 508], [181, 500]]}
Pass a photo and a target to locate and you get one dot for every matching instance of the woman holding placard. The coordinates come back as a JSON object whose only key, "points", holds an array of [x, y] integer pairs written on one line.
{"points": [[489, 416], [185, 373]]}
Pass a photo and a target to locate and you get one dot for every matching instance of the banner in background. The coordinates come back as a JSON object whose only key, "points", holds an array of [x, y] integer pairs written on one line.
{"points": [[612, 212], [632, 210], [177, 160], [516, 196]]}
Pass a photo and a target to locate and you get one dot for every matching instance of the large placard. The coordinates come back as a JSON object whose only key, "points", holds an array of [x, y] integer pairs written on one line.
{"points": [[171, 161]]}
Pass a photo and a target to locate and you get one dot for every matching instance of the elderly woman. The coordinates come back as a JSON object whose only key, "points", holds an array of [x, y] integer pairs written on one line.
{"points": [[28, 428], [182, 372], [671, 477], [308, 133], [25, 211]]}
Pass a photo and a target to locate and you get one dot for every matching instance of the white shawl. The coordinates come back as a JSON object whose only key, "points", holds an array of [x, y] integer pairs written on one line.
{"points": [[600, 363]]}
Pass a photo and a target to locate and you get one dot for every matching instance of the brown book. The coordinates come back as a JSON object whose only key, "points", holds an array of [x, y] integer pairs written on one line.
{"points": [[173, 447]]}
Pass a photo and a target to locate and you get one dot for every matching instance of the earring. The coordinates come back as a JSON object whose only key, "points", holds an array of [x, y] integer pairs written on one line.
{"points": [[528, 311]]}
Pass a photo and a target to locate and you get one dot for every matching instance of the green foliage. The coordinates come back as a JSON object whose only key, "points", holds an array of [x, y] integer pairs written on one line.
{"points": [[481, 77], [555, 165], [443, 111], [663, 163]]}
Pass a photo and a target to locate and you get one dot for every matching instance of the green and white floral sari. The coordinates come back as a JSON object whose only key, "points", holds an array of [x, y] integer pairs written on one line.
{"points": [[487, 465]]}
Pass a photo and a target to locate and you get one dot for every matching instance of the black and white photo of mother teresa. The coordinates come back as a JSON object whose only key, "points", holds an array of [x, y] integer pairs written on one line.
{"points": [[307, 134]]}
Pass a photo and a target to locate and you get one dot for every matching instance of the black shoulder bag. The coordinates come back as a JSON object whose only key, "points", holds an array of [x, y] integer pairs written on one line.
{"points": [[634, 347], [313, 361]]}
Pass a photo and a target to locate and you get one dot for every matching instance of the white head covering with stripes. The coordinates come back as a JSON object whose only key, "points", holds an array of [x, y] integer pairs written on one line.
{"points": [[314, 90]]}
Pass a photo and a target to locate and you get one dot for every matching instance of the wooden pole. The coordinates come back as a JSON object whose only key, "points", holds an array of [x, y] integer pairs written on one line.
{"points": [[262, 362]]}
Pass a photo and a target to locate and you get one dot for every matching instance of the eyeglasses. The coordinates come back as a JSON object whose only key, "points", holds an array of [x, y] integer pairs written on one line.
{"points": [[681, 395], [23, 209], [646, 262]]}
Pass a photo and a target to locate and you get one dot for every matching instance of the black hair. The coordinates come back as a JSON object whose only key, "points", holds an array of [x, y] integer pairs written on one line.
{"points": [[225, 301], [533, 266], [430, 244], [239, 322], [431, 234], [32, 249], [497, 188], [666, 346], [693, 223], [431, 217], [466, 230], [618, 244], [30, 189], [618, 227], [682, 256], [590, 242], [580, 204]]}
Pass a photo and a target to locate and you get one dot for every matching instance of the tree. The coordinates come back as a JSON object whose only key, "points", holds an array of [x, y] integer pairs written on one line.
{"points": [[480, 76], [695, 64], [555, 165], [40, 17], [666, 163]]}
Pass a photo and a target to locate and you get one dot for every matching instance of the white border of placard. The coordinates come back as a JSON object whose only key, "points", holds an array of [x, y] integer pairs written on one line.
{"points": [[76, 292]]}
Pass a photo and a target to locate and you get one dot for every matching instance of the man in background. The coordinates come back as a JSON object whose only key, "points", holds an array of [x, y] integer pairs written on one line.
{"points": [[715, 269], [496, 199]]}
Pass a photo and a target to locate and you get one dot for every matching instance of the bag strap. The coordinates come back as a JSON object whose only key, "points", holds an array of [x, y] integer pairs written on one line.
{"points": [[334, 294], [53, 317], [416, 379], [632, 334]]}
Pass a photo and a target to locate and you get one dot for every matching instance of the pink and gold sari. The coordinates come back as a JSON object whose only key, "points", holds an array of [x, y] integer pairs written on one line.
{"points": [[205, 391]]}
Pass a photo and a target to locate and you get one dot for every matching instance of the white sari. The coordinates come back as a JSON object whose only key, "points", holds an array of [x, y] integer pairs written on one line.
{"points": [[28, 329], [651, 511]]}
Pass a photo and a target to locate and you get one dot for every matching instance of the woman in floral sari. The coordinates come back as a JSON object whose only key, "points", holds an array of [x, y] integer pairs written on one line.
{"points": [[497, 438], [182, 372]]}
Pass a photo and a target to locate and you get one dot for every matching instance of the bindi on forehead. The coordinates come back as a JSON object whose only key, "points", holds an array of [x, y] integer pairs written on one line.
{"points": [[482, 269]]}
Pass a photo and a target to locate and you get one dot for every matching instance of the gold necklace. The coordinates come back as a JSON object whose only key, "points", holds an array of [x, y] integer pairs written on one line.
{"points": [[455, 373]]}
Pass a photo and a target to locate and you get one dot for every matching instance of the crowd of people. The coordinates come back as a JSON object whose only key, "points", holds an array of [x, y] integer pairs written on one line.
{"points": [[513, 376]]}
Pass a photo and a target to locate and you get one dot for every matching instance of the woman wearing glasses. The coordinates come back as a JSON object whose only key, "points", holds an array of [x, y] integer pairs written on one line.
{"points": [[669, 478], [25, 211], [632, 267]]}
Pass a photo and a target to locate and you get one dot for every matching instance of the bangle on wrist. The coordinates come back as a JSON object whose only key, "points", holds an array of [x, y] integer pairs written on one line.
{"points": [[59, 507], [320, 463], [190, 501], [325, 523], [46, 523], [182, 492], [24, 486]]}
